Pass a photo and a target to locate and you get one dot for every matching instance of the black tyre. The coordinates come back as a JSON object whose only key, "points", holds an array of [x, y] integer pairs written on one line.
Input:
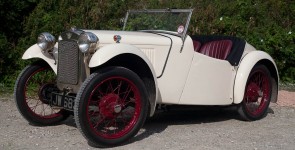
{"points": [[31, 95], [111, 106], [257, 94]]}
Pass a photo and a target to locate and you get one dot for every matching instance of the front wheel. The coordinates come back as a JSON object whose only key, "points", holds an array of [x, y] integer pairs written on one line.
{"points": [[111, 106], [257, 94], [32, 95]]}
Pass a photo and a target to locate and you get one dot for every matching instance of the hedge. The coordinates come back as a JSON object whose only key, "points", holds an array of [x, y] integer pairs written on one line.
{"points": [[267, 25]]}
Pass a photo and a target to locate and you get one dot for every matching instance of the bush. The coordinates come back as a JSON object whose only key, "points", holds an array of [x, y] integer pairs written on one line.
{"points": [[267, 25]]}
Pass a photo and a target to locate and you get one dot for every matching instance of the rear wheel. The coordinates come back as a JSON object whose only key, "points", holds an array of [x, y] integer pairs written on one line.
{"points": [[32, 95], [257, 94], [111, 106]]}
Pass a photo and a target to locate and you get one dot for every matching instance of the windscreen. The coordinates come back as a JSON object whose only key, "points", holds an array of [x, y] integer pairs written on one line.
{"points": [[175, 21]]}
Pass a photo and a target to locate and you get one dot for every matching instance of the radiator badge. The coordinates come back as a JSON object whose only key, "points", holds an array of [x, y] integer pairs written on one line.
{"points": [[117, 38]]}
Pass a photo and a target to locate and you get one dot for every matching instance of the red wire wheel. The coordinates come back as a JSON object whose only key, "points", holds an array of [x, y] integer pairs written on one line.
{"points": [[111, 106], [257, 94], [32, 94]]}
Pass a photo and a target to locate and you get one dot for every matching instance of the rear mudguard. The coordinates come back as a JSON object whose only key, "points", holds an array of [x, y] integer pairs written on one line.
{"points": [[35, 52], [244, 69], [108, 52]]}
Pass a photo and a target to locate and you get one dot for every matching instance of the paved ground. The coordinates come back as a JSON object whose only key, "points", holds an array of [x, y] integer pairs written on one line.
{"points": [[211, 128]]}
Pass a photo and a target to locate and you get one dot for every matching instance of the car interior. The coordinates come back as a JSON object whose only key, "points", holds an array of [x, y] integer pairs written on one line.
{"points": [[220, 47]]}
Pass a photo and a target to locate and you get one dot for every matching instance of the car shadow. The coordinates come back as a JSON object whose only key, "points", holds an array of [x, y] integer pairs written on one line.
{"points": [[180, 115], [183, 115], [70, 121], [186, 115]]}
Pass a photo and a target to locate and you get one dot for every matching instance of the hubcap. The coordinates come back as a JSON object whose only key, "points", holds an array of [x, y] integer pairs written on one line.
{"points": [[253, 92], [109, 105], [45, 91]]}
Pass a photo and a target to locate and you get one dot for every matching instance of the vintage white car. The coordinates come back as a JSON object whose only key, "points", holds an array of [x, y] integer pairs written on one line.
{"points": [[113, 80]]}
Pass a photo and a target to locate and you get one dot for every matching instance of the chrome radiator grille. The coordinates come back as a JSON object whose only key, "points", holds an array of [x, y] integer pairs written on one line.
{"points": [[68, 62]]}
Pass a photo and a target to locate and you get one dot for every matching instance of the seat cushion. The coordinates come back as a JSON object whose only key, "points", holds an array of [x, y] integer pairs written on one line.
{"points": [[197, 45], [217, 49]]}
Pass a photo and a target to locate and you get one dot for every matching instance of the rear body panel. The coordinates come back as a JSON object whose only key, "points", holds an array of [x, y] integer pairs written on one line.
{"points": [[210, 82]]}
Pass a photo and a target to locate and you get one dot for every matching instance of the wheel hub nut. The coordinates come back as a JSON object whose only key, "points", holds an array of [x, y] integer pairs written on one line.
{"points": [[117, 108]]}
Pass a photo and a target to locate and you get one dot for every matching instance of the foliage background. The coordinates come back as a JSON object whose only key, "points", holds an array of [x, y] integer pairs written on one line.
{"points": [[268, 25]]}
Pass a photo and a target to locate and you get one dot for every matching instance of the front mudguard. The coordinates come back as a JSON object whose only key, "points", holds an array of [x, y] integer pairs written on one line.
{"points": [[244, 69], [35, 52], [106, 53]]}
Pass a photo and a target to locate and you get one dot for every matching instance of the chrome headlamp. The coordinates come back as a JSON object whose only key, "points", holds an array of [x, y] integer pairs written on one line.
{"points": [[46, 41], [87, 42]]}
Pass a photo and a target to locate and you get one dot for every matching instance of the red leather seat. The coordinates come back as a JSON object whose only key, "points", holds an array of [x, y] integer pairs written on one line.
{"points": [[197, 45], [217, 49]]}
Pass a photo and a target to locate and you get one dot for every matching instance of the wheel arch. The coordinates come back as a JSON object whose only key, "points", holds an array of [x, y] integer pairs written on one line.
{"points": [[132, 59], [244, 69]]}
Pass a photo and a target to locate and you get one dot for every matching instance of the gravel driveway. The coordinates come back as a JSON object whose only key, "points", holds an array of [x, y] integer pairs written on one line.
{"points": [[210, 128]]}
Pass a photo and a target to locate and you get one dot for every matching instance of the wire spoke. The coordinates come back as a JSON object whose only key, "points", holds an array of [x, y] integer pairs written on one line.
{"points": [[110, 87], [32, 93], [99, 122], [126, 93], [119, 87]]}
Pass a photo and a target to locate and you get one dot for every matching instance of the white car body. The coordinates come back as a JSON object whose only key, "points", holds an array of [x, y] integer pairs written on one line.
{"points": [[182, 75], [113, 80]]}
